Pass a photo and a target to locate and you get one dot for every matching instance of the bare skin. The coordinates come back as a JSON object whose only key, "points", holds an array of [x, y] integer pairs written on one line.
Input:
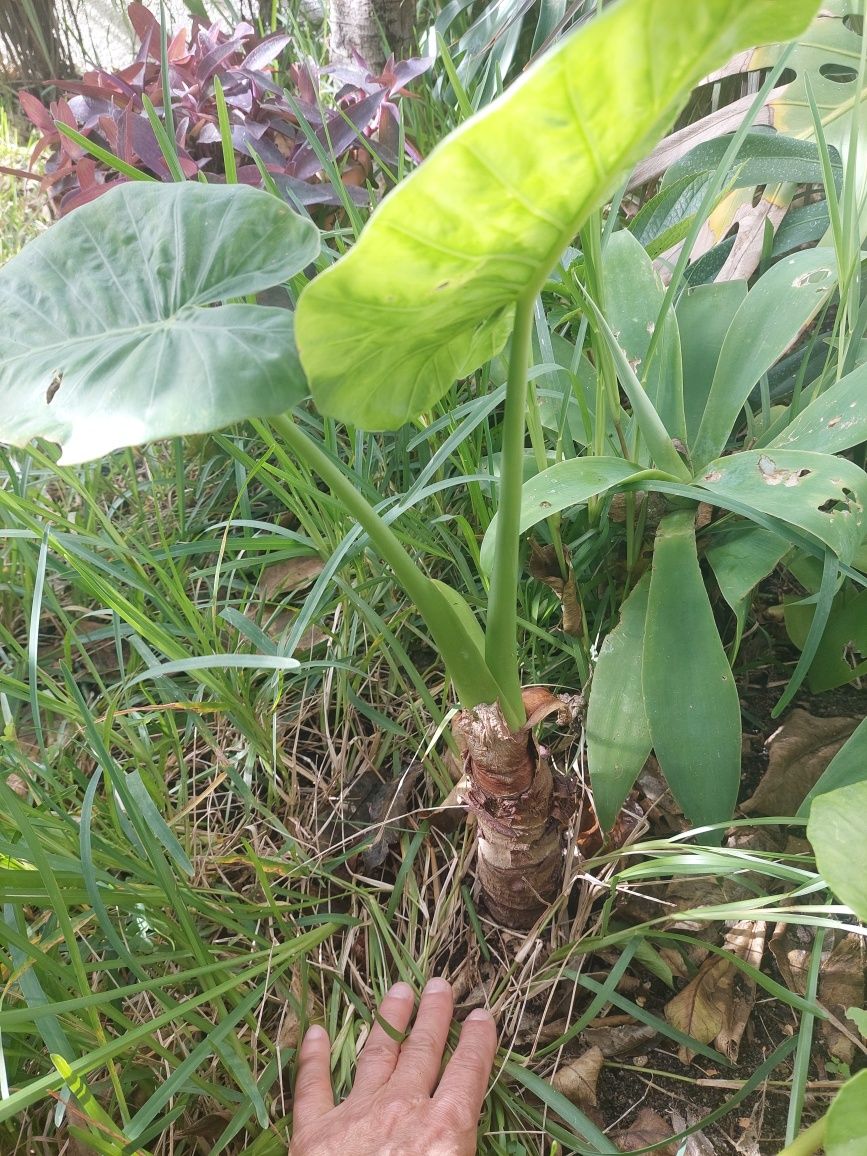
{"points": [[400, 1104]]}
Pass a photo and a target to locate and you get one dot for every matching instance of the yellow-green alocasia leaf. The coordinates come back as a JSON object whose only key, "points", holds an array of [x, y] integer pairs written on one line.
{"points": [[425, 295]]}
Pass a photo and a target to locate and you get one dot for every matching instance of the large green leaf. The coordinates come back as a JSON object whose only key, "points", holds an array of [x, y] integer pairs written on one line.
{"points": [[704, 314], [818, 493], [848, 766], [618, 734], [689, 689], [835, 421], [837, 828], [425, 295], [770, 319], [633, 297], [120, 324], [740, 559], [569, 483], [846, 1129]]}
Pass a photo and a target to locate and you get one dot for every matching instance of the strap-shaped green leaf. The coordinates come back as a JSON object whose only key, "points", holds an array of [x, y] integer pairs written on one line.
{"points": [[768, 322], [116, 327], [425, 295], [618, 734], [835, 421], [689, 689]]}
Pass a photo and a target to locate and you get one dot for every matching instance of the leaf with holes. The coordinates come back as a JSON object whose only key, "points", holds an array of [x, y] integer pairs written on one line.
{"points": [[820, 494], [121, 324]]}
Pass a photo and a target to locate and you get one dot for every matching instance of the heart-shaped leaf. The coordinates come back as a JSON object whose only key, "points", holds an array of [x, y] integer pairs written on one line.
{"points": [[425, 295], [119, 324]]}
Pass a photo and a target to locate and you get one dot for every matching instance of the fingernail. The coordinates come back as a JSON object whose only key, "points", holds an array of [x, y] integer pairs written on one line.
{"points": [[316, 1032], [436, 985], [480, 1013], [401, 990]]}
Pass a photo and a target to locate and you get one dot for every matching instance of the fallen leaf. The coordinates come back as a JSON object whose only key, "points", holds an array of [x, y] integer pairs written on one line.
{"points": [[577, 1080], [545, 567], [841, 986], [386, 806], [701, 1009], [647, 1130], [798, 754], [290, 575], [746, 940], [619, 1040], [279, 624], [697, 1144], [790, 947]]}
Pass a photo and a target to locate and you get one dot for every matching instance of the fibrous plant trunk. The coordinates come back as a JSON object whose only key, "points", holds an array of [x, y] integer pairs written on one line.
{"points": [[34, 38], [523, 810], [366, 26]]}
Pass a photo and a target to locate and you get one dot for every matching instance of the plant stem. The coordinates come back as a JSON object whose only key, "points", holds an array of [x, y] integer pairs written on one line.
{"points": [[501, 637], [808, 1142], [461, 656]]}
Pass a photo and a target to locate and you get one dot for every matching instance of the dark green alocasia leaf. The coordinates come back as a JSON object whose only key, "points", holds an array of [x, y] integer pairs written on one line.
{"points": [[425, 295], [835, 421], [837, 828], [848, 766], [689, 689], [818, 493], [846, 1129], [116, 328], [618, 734], [770, 319]]}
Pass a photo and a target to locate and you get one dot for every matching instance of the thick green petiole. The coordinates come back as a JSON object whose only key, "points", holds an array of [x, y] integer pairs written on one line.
{"points": [[460, 652], [501, 636]]}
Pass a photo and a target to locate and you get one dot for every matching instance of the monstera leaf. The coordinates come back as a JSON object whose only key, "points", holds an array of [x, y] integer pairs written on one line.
{"points": [[120, 323], [425, 295]]}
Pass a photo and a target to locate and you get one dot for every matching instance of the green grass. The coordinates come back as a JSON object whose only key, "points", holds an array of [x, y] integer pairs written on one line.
{"points": [[181, 871], [22, 212]]}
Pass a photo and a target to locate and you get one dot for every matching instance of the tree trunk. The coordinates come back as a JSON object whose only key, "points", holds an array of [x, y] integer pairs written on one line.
{"points": [[367, 26], [523, 811], [34, 41]]}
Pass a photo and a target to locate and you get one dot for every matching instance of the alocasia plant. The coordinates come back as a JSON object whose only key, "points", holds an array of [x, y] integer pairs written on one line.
{"points": [[447, 270]]}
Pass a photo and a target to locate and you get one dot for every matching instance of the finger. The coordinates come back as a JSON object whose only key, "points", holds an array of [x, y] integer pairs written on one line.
{"points": [[313, 1094], [421, 1056], [464, 1083], [380, 1053]]}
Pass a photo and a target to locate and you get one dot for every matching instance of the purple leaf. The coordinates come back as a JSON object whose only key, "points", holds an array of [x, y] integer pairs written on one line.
{"points": [[340, 135], [266, 52]]}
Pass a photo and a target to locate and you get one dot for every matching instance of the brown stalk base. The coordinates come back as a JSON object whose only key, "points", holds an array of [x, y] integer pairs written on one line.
{"points": [[522, 812]]}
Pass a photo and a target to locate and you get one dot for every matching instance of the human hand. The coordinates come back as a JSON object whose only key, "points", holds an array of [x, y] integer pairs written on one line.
{"points": [[399, 1104]]}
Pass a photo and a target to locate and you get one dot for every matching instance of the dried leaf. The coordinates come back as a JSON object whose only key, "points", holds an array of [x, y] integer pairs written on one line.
{"points": [[747, 941], [386, 805], [619, 1040], [701, 1009], [277, 626], [545, 567], [648, 1130], [290, 575], [790, 947], [17, 785], [841, 986], [577, 1080], [799, 752]]}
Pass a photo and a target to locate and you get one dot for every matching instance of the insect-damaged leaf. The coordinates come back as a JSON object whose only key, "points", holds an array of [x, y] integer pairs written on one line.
{"points": [[425, 295]]}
